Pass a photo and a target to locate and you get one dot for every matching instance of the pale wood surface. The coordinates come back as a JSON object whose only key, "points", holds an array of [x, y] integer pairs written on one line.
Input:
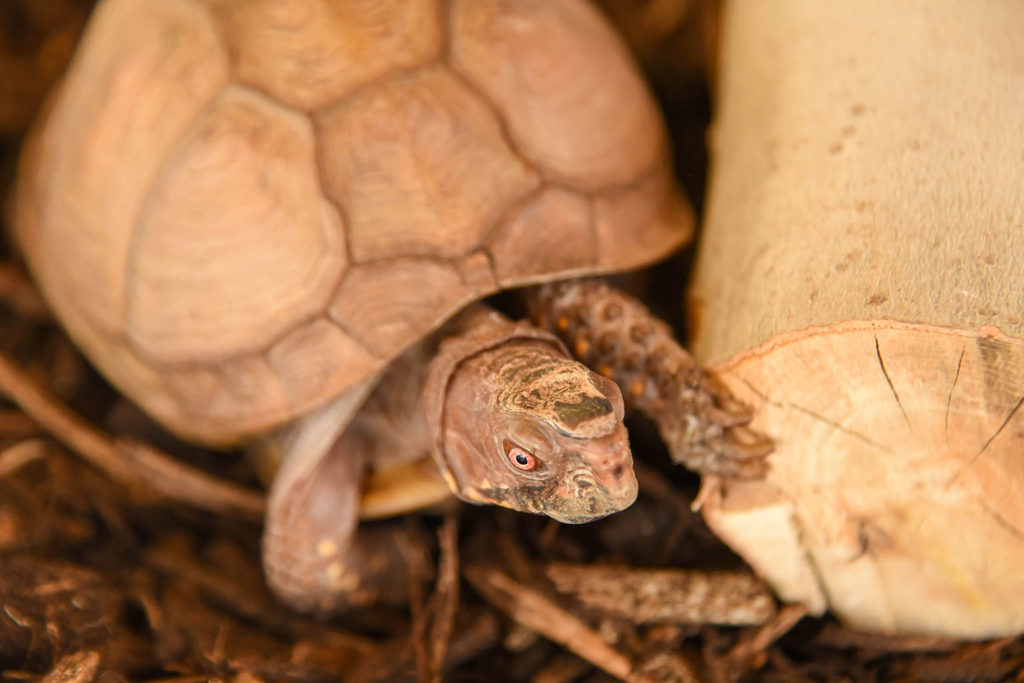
{"points": [[861, 282]]}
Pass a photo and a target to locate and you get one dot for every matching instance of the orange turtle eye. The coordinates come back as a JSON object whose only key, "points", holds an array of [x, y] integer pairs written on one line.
{"points": [[520, 458]]}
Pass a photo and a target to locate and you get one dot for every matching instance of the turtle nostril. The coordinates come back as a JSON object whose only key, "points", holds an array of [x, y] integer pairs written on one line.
{"points": [[617, 472]]}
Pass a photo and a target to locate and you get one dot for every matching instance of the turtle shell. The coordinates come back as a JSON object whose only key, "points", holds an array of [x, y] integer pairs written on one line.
{"points": [[241, 209]]}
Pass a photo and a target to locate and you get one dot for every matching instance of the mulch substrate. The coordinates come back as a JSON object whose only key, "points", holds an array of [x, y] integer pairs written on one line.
{"points": [[109, 571]]}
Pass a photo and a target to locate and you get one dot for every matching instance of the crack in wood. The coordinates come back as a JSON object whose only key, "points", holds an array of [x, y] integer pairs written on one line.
{"points": [[949, 396], [1011, 528], [846, 430], [881, 364], [1006, 421], [810, 413], [1002, 426]]}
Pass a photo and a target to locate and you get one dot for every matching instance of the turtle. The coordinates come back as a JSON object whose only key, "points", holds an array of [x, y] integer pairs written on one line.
{"points": [[272, 222]]}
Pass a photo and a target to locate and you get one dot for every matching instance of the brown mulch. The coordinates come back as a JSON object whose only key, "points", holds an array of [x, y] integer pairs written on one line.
{"points": [[112, 570]]}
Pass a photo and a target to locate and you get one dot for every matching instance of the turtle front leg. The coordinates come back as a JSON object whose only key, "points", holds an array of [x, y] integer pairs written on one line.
{"points": [[316, 556], [703, 426]]}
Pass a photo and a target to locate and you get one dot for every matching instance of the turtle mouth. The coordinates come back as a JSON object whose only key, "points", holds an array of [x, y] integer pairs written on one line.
{"points": [[590, 493]]}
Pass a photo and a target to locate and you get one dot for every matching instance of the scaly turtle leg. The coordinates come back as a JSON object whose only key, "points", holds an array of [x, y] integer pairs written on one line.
{"points": [[703, 426], [316, 556], [330, 471]]}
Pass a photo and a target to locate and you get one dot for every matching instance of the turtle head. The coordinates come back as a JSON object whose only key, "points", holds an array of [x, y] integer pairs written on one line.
{"points": [[537, 432]]}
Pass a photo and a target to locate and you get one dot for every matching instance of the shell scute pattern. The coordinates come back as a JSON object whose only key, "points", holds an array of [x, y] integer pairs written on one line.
{"points": [[320, 204]]}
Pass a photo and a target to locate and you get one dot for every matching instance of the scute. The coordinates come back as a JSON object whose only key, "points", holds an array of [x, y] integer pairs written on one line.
{"points": [[236, 244], [142, 74], [318, 359], [221, 403], [421, 166], [641, 223], [575, 104], [309, 53], [390, 304], [553, 233]]}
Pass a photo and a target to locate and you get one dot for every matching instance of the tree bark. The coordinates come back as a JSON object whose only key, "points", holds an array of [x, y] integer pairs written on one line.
{"points": [[861, 283]]}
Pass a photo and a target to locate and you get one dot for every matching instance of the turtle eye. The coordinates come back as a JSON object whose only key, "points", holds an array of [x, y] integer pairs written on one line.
{"points": [[520, 458]]}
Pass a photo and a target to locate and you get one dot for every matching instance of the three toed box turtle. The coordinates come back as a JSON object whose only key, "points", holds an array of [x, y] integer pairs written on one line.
{"points": [[251, 213]]}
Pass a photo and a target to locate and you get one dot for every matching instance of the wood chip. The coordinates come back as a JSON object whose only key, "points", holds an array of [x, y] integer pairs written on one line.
{"points": [[20, 454], [129, 462], [433, 624], [763, 637], [535, 611], [644, 596], [79, 667]]}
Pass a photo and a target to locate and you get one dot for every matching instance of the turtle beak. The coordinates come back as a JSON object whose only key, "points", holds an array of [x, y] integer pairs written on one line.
{"points": [[602, 483], [614, 473]]}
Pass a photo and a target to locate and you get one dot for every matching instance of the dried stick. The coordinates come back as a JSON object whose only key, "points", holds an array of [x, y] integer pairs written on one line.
{"points": [[536, 612], [129, 462], [644, 596], [433, 623], [78, 667], [761, 640], [19, 455]]}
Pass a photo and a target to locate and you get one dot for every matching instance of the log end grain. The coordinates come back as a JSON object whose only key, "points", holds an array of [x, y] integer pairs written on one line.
{"points": [[896, 493]]}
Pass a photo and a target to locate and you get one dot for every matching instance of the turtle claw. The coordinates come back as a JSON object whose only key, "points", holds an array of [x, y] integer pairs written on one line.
{"points": [[746, 444], [706, 430], [724, 409], [738, 452]]}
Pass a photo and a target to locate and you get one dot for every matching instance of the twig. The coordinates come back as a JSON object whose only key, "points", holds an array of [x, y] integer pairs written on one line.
{"points": [[433, 623], [130, 463], [476, 631], [843, 637], [734, 598], [19, 455], [78, 667], [563, 669], [444, 603], [786, 619], [179, 482], [248, 602], [533, 610]]}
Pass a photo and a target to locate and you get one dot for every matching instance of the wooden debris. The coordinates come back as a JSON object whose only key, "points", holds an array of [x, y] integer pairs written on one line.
{"points": [[644, 596], [103, 581], [537, 612], [844, 638], [757, 642], [433, 623], [563, 669], [78, 667], [20, 454], [129, 462]]}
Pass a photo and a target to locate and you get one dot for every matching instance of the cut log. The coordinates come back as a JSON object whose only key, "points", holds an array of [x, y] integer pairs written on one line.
{"points": [[861, 283]]}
